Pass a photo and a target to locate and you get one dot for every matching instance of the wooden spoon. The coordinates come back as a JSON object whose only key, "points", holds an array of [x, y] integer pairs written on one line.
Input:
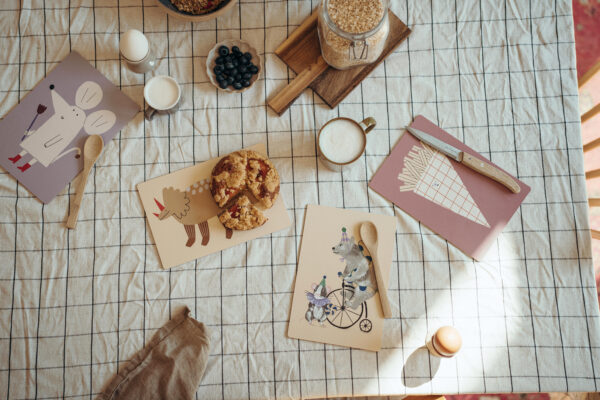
{"points": [[368, 234], [91, 151]]}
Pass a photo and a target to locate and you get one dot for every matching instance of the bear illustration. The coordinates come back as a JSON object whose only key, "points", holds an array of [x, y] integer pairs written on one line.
{"points": [[357, 271]]}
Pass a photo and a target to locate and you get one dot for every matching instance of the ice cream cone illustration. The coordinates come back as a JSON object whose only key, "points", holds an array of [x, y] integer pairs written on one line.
{"points": [[429, 173]]}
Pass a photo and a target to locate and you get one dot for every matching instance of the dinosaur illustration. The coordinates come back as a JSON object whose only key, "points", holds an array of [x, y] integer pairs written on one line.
{"points": [[189, 207]]}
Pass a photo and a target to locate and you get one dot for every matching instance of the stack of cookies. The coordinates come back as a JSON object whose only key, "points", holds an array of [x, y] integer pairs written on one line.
{"points": [[234, 178]]}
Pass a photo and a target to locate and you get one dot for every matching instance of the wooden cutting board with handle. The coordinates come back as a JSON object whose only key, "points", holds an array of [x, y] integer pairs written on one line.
{"points": [[301, 52]]}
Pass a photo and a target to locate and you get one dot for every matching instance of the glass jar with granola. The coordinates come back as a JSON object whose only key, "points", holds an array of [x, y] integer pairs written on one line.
{"points": [[352, 32]]}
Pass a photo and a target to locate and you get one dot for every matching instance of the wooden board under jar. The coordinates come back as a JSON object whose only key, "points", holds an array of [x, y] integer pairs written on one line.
{"points": [[302, 49]]}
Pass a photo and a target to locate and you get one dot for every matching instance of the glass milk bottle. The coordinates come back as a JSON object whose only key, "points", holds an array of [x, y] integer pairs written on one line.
{"points": [[352, 32]]}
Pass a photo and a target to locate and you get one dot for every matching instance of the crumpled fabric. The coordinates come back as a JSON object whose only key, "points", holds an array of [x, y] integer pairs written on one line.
{"points": [[171, 365]]}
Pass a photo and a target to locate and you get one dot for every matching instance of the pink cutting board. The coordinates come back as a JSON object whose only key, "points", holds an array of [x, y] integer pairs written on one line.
{"points": [[466, 208]]}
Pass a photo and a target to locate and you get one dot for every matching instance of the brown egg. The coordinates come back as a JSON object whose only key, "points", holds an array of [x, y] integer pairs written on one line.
{"points": [[447, 341]]}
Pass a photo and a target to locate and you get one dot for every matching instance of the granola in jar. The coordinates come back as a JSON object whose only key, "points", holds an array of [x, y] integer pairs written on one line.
{"points": [[352, 32]]}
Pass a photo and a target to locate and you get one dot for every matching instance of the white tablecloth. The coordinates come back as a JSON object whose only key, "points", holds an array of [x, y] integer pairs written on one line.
{"points": [[76, 305]]}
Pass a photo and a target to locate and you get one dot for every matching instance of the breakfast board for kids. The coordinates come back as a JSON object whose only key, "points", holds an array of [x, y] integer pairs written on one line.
{"points": [[335, 299], [464, 207], [184, 217], [41, 139]]}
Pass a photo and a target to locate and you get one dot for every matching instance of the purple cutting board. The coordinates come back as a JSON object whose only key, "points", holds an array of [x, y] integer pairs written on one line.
{"points": [[79, 101], [496, 203]]}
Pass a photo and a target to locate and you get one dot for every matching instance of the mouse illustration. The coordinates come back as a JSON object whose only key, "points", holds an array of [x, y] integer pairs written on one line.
{"points": [[49, 141]]}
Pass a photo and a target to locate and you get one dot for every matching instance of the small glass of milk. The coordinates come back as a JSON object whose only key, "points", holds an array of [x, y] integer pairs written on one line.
{"points": [[342, 141], [162, 94]]}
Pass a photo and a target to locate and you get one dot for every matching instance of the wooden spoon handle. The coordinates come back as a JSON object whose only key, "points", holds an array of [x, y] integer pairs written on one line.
{"points": [[383, 295], [74, 213]]}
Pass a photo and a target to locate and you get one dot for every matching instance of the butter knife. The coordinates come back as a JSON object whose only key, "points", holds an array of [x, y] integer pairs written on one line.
{"points": [[467, 160]]}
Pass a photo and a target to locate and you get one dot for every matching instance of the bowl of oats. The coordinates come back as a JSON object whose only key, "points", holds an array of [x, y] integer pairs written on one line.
{"points": [[197, 10]]}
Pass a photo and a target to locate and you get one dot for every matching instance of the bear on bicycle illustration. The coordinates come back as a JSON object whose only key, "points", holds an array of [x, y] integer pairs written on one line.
{"points": [[344, 307]]}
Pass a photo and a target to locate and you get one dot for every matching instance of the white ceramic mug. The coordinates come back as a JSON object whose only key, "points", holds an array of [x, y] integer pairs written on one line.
{"points": [[342, 141], [162, 94]]}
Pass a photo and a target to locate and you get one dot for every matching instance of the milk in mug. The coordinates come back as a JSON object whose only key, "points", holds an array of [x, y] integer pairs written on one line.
{"points": [[162, 92], [341, 141]]}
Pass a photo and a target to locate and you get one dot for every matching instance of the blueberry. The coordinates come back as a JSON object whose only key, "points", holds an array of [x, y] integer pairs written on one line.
{"points": [[223, 51], [218, 68], [219, 77], [248, 56], [220, 61], [245, 83], [243, 60], [247, 76], [254, 69], [229, 65], [237, 78], [235, 49], [237, 85], [242, 69], [229, 58], [223, 84], [235, 62], [230, 79]]}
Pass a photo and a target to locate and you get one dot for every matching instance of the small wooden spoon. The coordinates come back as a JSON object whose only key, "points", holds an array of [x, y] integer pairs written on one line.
{"points": [[368, 233], [91, 151]]}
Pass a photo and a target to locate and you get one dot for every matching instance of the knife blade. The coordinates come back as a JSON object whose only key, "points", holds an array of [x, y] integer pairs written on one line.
{"points": [[468, 160]]}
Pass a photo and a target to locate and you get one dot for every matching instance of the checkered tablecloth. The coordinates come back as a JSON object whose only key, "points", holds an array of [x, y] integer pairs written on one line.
{"points": [[499, 75]]}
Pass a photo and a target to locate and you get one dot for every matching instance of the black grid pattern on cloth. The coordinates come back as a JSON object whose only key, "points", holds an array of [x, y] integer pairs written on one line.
{"points": [[500, 76]]}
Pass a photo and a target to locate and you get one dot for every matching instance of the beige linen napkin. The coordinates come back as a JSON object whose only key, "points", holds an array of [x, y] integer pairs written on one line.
{"points": [[169, 367]]}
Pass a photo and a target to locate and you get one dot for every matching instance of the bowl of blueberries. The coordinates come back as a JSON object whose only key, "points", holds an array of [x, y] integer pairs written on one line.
{"points": [[233, 66]]}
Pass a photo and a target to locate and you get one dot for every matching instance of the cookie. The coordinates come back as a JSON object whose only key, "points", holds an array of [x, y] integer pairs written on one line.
{"points": [[229, 178], [241, 170], [242, 215], [262, 178]]}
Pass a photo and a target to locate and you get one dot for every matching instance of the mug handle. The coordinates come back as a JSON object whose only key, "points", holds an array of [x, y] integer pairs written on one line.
{"points": [[368, 124], [149, 113]]}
